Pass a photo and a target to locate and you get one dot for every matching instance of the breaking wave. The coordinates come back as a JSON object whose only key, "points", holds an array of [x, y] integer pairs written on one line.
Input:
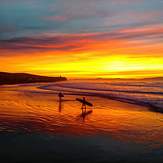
{"points": [[144, 92]]}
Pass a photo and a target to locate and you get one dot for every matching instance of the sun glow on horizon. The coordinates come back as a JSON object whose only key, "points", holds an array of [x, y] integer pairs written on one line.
{"points": [[110, 39], [114, 66]]}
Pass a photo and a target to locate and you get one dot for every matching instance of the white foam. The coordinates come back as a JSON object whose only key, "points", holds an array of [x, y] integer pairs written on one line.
{"points": [[141, 92]]}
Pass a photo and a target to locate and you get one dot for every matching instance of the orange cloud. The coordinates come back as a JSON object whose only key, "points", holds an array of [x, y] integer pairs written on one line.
{"points": [[78, 54]]}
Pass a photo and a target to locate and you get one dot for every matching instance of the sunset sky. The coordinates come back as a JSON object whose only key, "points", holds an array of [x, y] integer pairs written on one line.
{"points": [[82, 38]]}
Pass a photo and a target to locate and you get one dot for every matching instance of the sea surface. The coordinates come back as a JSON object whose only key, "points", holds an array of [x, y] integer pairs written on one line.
{"points": [[124, 124]]}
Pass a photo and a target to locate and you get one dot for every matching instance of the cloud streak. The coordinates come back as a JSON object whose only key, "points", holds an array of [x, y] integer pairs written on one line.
{"points": [[81, 31], [83, 41]]}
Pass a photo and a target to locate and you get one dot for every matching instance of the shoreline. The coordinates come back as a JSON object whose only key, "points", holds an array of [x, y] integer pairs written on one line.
{"points": [[151, 107]]}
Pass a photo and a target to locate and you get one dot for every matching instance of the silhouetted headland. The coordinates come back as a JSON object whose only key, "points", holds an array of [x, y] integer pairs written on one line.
{"points": [[18, 78]]}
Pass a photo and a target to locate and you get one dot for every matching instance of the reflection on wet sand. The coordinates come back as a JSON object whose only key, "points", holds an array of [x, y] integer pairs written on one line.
{"points": [[37, 111], [85, 113], [61, 105], [109, 127], [28, 114]]}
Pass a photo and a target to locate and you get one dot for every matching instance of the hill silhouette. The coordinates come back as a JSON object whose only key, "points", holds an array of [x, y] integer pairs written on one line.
{"points": [[18, 78]]}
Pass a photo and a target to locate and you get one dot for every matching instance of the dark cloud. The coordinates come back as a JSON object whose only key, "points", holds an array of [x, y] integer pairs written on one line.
{"points": [[72, 42]]}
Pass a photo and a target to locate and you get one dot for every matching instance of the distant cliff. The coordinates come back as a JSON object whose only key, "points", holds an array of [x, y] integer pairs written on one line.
{"points": [[18, 78]]}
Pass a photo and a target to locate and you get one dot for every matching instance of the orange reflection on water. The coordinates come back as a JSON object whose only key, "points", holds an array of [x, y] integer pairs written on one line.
{"points": [[34, 111]]}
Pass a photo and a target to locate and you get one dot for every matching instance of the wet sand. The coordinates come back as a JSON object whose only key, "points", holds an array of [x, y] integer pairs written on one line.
{"points": [[35, 127]]}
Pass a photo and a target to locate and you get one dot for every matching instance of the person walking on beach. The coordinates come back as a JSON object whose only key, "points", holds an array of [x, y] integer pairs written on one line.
{"points": [[84, 104], [60, 95]]}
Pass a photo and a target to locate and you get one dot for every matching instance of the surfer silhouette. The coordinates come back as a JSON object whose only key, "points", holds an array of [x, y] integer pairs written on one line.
{"points": [[84, 102], [60, 95]]}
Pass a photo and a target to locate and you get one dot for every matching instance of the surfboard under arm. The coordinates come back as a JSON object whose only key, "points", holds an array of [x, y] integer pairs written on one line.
{"points": [[84, 102]]}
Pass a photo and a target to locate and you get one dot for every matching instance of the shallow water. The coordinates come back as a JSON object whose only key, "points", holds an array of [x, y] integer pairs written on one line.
{"points": [[32, 120], [147, 92]]}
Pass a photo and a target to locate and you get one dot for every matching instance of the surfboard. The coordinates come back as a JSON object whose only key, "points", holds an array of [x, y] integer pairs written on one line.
{"points": [[84, 102]]}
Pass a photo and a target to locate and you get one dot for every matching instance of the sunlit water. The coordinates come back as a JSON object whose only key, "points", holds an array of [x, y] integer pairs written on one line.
{"points": [[33, 122]]}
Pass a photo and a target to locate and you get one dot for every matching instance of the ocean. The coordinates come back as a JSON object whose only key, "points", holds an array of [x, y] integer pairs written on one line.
{"points": [[124, 124]]}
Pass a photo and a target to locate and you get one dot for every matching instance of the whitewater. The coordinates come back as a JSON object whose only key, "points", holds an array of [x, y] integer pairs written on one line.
{"points": [[147, 92]]}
